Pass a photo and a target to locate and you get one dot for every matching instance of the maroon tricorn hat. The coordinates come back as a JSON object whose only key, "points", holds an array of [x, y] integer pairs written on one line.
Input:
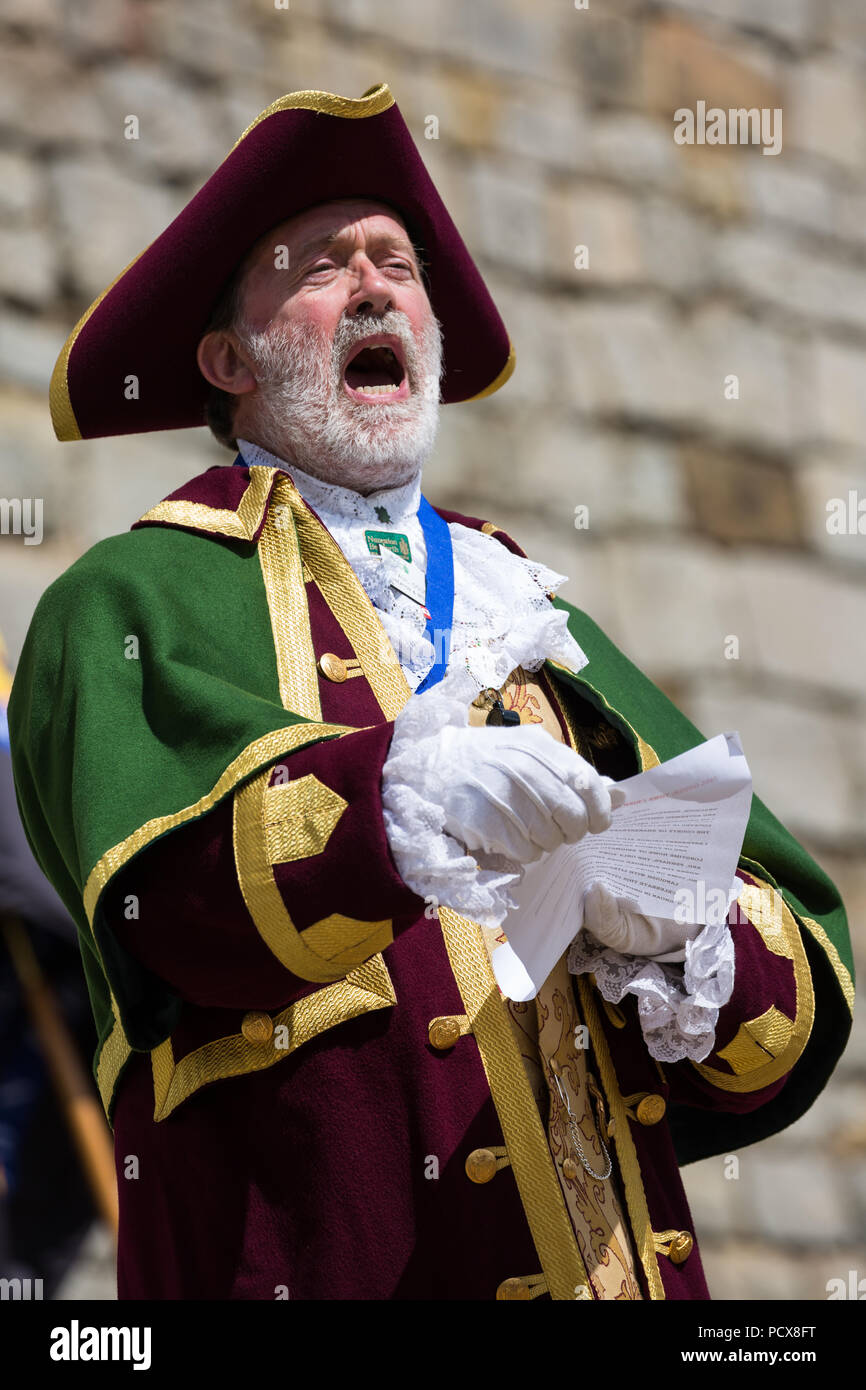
{"points": [[306, 148]]}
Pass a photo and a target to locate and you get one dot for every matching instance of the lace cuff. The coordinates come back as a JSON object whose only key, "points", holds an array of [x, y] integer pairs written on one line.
{"points": [[429, 860], [678, 1006]]}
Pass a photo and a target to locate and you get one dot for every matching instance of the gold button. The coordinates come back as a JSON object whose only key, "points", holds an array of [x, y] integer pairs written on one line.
{"points": [[257, 1027], [513, 1288], [443, 1033], [333, 667], [681, 1247], [481, 1165], [570, 1168], [651, 1109], [583, 1291]]}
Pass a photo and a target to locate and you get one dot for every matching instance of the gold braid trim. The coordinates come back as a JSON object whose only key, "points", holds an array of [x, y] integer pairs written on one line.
{"points": [[525, 1139], [362, 991], [629, 1166], [843, 974], [59, 403], [772, 918], [349, 942], [263, 750], [348, 601], [375, 100], [283, 574], [241, 523], [112, 1058]]}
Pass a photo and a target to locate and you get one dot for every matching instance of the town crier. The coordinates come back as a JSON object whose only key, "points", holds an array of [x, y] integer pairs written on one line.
{"points": [[285, 748]]}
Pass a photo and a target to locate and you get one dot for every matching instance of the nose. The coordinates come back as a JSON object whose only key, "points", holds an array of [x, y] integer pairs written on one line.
{"points": [[372, 293]]}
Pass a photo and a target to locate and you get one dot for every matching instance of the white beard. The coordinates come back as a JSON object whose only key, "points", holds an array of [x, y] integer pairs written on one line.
{"points": [[301, 413]]}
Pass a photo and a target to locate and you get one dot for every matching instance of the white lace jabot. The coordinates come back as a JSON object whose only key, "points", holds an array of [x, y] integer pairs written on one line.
{"points": [[500, 599]]}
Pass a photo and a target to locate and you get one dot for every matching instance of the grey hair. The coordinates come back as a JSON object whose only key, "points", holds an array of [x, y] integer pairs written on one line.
{"points": [[226, 314]]}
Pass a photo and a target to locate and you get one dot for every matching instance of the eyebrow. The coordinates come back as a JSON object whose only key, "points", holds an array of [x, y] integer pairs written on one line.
{"points": [[331, 239]]}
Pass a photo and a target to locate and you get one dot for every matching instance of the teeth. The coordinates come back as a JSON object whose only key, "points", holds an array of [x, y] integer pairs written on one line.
{"points": [[376, 390]]}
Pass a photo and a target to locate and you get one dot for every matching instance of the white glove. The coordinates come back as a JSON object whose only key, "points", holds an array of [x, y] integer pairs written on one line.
{"points": [[516, 791], [619, 924]]}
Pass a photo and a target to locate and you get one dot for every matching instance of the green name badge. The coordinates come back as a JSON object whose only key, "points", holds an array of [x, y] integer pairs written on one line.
{"points": [[393, 541]]}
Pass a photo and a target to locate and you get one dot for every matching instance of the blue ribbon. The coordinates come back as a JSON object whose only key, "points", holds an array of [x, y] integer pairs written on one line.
{"points": [[439, 600]]}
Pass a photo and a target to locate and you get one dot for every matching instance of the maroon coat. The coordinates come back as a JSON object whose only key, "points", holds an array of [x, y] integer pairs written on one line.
{"points": [[331, 1164]]}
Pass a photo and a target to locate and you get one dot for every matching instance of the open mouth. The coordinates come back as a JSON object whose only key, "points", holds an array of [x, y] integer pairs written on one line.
{"points": [[375, 370]]}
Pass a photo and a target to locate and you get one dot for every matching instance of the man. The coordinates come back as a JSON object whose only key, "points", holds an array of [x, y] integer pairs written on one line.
{"points": [[284, 749]]}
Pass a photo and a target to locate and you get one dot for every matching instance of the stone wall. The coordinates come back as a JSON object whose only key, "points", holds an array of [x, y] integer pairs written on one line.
{"points": [[707, 515]]}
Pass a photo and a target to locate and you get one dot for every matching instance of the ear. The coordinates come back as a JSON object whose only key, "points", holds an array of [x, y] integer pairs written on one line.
{"points": [[221, 364]]}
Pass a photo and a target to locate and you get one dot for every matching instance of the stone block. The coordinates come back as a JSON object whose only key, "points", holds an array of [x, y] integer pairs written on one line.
{"points": [[602, 49], [850, 216], [795, 1198], [469, 109], [21, 189], [790, 21], [302, 55], [605, 221], [119, 479], [790, 193], [96, 29], [32, 462], [625, 481], [718, 1203], [174, 130], [678, 247], [807, 622], [508, 213], [738, 499], [768, 268], [834, 521], [633, 148], [45, 97], [28, 349], [758, 1271], [813, 793], [682, 64], [40, 16], [843, 24], [546, 124], [625, 358], [833, 380], [533, 324], [771, 411], [106, 218], [216, 39], [676, 605], [824, 111], [28, 265], [424, 28]]}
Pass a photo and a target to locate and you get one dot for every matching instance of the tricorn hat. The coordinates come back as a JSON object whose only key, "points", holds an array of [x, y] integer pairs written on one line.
{"points": [[306, 148]]}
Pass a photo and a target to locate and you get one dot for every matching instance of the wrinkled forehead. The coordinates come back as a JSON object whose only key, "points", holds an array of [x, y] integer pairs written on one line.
{"points": [[325, 221]]}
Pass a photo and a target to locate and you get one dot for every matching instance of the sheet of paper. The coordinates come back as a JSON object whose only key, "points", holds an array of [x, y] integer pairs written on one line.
{"points": [[672, 847]]}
